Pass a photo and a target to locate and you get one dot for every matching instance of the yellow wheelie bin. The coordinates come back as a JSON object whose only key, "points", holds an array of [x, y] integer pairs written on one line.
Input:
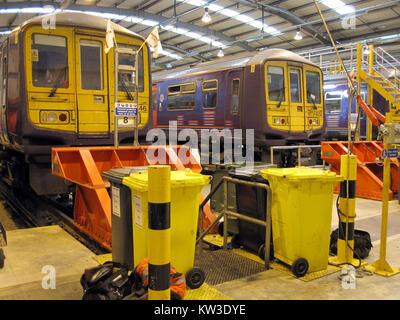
{"points": [[301, 213], [185, 198]]}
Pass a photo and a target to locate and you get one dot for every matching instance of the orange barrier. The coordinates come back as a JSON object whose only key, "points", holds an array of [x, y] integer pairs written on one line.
{"points": [[369, 166], [208, 216], [84, 167]]}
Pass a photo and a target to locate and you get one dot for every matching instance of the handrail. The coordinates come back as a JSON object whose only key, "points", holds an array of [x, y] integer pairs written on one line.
{"points": [[226, 212]]}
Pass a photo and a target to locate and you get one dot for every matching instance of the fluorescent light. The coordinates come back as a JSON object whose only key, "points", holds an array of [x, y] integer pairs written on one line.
{"points": [[244, 18], [215, 7], [339, 6], [333, 4], [229, 13], [345, 10], [150, 23], [329, 86], [235, 15]]}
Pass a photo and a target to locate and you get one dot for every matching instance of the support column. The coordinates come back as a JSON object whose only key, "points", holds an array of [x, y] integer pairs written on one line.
{"points": [[347, 207], [159, 236]]}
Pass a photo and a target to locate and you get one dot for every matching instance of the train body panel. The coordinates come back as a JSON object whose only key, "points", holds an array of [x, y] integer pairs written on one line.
{"points": [[260, 93], [57, 85]]}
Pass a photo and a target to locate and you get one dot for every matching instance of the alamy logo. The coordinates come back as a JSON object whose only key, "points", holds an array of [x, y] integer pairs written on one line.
{"points": [[49, 21], [349, 21], [348, 276], [49, 280]]}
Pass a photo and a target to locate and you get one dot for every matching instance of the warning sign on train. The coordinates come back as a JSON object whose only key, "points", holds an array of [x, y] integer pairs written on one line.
{"points": [[126, 109]]}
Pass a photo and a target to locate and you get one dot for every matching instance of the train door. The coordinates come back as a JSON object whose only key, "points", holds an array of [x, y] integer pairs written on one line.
{"points": [[3, 93], [296, 107], [92, 102], [233, 104], [277, 95]]}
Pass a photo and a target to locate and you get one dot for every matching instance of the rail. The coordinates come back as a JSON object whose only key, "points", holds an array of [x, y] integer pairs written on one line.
{"points": [[226, 212]]}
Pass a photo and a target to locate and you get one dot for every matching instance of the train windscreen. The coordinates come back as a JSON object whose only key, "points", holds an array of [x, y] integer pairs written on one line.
{"points": [[276, 84], [313, 87], [49, 61]]}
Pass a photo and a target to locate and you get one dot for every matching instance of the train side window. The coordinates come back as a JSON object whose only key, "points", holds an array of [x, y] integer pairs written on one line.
{"points": [[333, 102], [295, 86], [209, 94], [313, 87], [276, 83], [49, 61], [91, 62], [235, 95], [181, 96]]}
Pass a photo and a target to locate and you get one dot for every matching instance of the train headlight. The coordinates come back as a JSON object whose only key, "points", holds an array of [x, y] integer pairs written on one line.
{"points": [[52, 117], [277, 121]]}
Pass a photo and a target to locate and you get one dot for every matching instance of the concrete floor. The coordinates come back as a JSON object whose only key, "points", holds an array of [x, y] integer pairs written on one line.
{"points": [[30, 249], [276, 285]]}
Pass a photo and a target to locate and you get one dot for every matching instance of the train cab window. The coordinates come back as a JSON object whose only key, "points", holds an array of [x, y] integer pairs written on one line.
{"points": [[126, 69], [181, 96], [333, 102], [49, 61], [313, 87], [276, 83], [235, 96], [295, 86], [209, 94], [91, 62]]}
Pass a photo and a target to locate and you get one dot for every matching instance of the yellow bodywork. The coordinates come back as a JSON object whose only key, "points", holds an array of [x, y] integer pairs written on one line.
{"points": [[87, 111]]}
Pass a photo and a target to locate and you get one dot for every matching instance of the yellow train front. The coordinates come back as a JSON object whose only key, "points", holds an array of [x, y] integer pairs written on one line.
{"points": [[57, 89]]}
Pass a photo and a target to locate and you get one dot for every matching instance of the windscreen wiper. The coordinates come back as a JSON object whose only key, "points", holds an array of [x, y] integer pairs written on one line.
{"points": [[281, 96], [312, 96], [126, 89], [57, 82]]}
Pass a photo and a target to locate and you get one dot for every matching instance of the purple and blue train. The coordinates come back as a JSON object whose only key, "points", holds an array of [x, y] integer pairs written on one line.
{"points": [[275, 92]]}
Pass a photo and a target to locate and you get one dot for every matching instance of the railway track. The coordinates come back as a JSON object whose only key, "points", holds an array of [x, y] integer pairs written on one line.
{"points": [[40, 211]]}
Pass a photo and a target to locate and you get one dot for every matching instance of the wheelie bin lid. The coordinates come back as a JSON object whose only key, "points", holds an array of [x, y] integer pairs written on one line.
{"points": [[179, 179], [251, 173], [301, 173], [117, 174]]}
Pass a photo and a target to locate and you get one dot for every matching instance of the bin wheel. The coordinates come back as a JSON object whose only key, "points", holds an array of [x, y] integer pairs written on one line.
{"points": [[300, 267], [236, 241], [2, 258], [195, 278], [261, 252]]}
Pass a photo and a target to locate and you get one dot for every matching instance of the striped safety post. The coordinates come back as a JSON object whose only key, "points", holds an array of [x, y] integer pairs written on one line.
{"points": [[159, 235], [347, 207]]}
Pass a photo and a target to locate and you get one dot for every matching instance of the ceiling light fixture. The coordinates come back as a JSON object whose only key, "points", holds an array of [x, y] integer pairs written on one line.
{"points": [[206, 17], [220, 53], [298, 36]]}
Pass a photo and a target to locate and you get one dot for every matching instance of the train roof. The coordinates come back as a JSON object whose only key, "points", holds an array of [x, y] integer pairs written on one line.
{"points": [[237, 61], [81, 20]]}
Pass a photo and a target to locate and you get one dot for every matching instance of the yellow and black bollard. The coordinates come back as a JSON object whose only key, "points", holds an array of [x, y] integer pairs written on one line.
{"points": [[159, 236], [347, 209]]}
